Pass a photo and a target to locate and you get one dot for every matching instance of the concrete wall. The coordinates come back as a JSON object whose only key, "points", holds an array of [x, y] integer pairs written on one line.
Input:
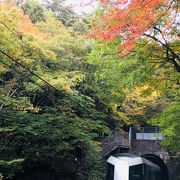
{"points": [[148, 147]]}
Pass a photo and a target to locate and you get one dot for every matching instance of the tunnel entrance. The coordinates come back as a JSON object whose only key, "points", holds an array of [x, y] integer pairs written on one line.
{"points": [[157, 160]]}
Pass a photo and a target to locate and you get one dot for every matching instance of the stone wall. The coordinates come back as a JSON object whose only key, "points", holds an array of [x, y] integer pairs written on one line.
{"points": [[147, 148]]}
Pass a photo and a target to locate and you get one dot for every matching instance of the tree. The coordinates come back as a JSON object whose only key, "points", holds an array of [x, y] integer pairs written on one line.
{"points": [[65, 14], [138, 87], [41, 125], [130, 20], [34, 10], [169, 121]]}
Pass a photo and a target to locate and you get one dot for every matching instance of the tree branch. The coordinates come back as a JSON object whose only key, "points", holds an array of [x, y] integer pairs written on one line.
{"points": [[175, 58]]}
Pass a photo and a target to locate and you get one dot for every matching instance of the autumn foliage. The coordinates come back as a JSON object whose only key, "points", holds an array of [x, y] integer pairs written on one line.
{"points": [[128, 20], [22, 22]]}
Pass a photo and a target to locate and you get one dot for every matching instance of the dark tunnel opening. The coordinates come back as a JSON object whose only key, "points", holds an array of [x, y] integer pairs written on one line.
{"points": [[158, 161]]}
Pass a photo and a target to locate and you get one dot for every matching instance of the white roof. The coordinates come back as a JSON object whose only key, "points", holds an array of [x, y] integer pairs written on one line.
{"points": [[131, 161]]}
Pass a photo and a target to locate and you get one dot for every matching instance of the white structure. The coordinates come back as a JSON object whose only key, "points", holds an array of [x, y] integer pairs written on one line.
{"points": [[126, 167], [149, 136]]}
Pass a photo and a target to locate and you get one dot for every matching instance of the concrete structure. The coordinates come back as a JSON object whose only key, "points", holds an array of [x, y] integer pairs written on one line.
{"points": [[144, 142]]}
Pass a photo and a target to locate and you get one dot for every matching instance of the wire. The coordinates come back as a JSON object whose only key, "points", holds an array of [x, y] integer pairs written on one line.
{"points": [[34, 74], [18, 72], [11, 58], [27, 46], [24, 42]]}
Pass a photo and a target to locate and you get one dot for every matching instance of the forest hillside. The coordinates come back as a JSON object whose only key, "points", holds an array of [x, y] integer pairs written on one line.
{"points": [[66, 80]]}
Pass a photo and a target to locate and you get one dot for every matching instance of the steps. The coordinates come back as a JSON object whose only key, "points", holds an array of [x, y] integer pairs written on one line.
{"points": [[115, 140]]}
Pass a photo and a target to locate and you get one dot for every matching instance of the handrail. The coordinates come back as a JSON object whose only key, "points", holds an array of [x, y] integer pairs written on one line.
{"points": [[116, 139]]}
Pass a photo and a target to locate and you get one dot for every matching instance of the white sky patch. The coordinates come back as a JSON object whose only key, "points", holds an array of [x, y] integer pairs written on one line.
{"points": [[82, 6]]}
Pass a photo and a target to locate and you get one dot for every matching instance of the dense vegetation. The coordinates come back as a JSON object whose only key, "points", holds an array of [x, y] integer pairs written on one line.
{"points": [[60, 91]]}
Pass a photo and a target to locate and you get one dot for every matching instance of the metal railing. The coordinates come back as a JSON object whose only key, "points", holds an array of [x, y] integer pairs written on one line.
{"points": [[115, 140]]}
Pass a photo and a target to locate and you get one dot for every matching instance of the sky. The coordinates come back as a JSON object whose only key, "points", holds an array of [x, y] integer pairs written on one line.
{"points": [[82, 6]]}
